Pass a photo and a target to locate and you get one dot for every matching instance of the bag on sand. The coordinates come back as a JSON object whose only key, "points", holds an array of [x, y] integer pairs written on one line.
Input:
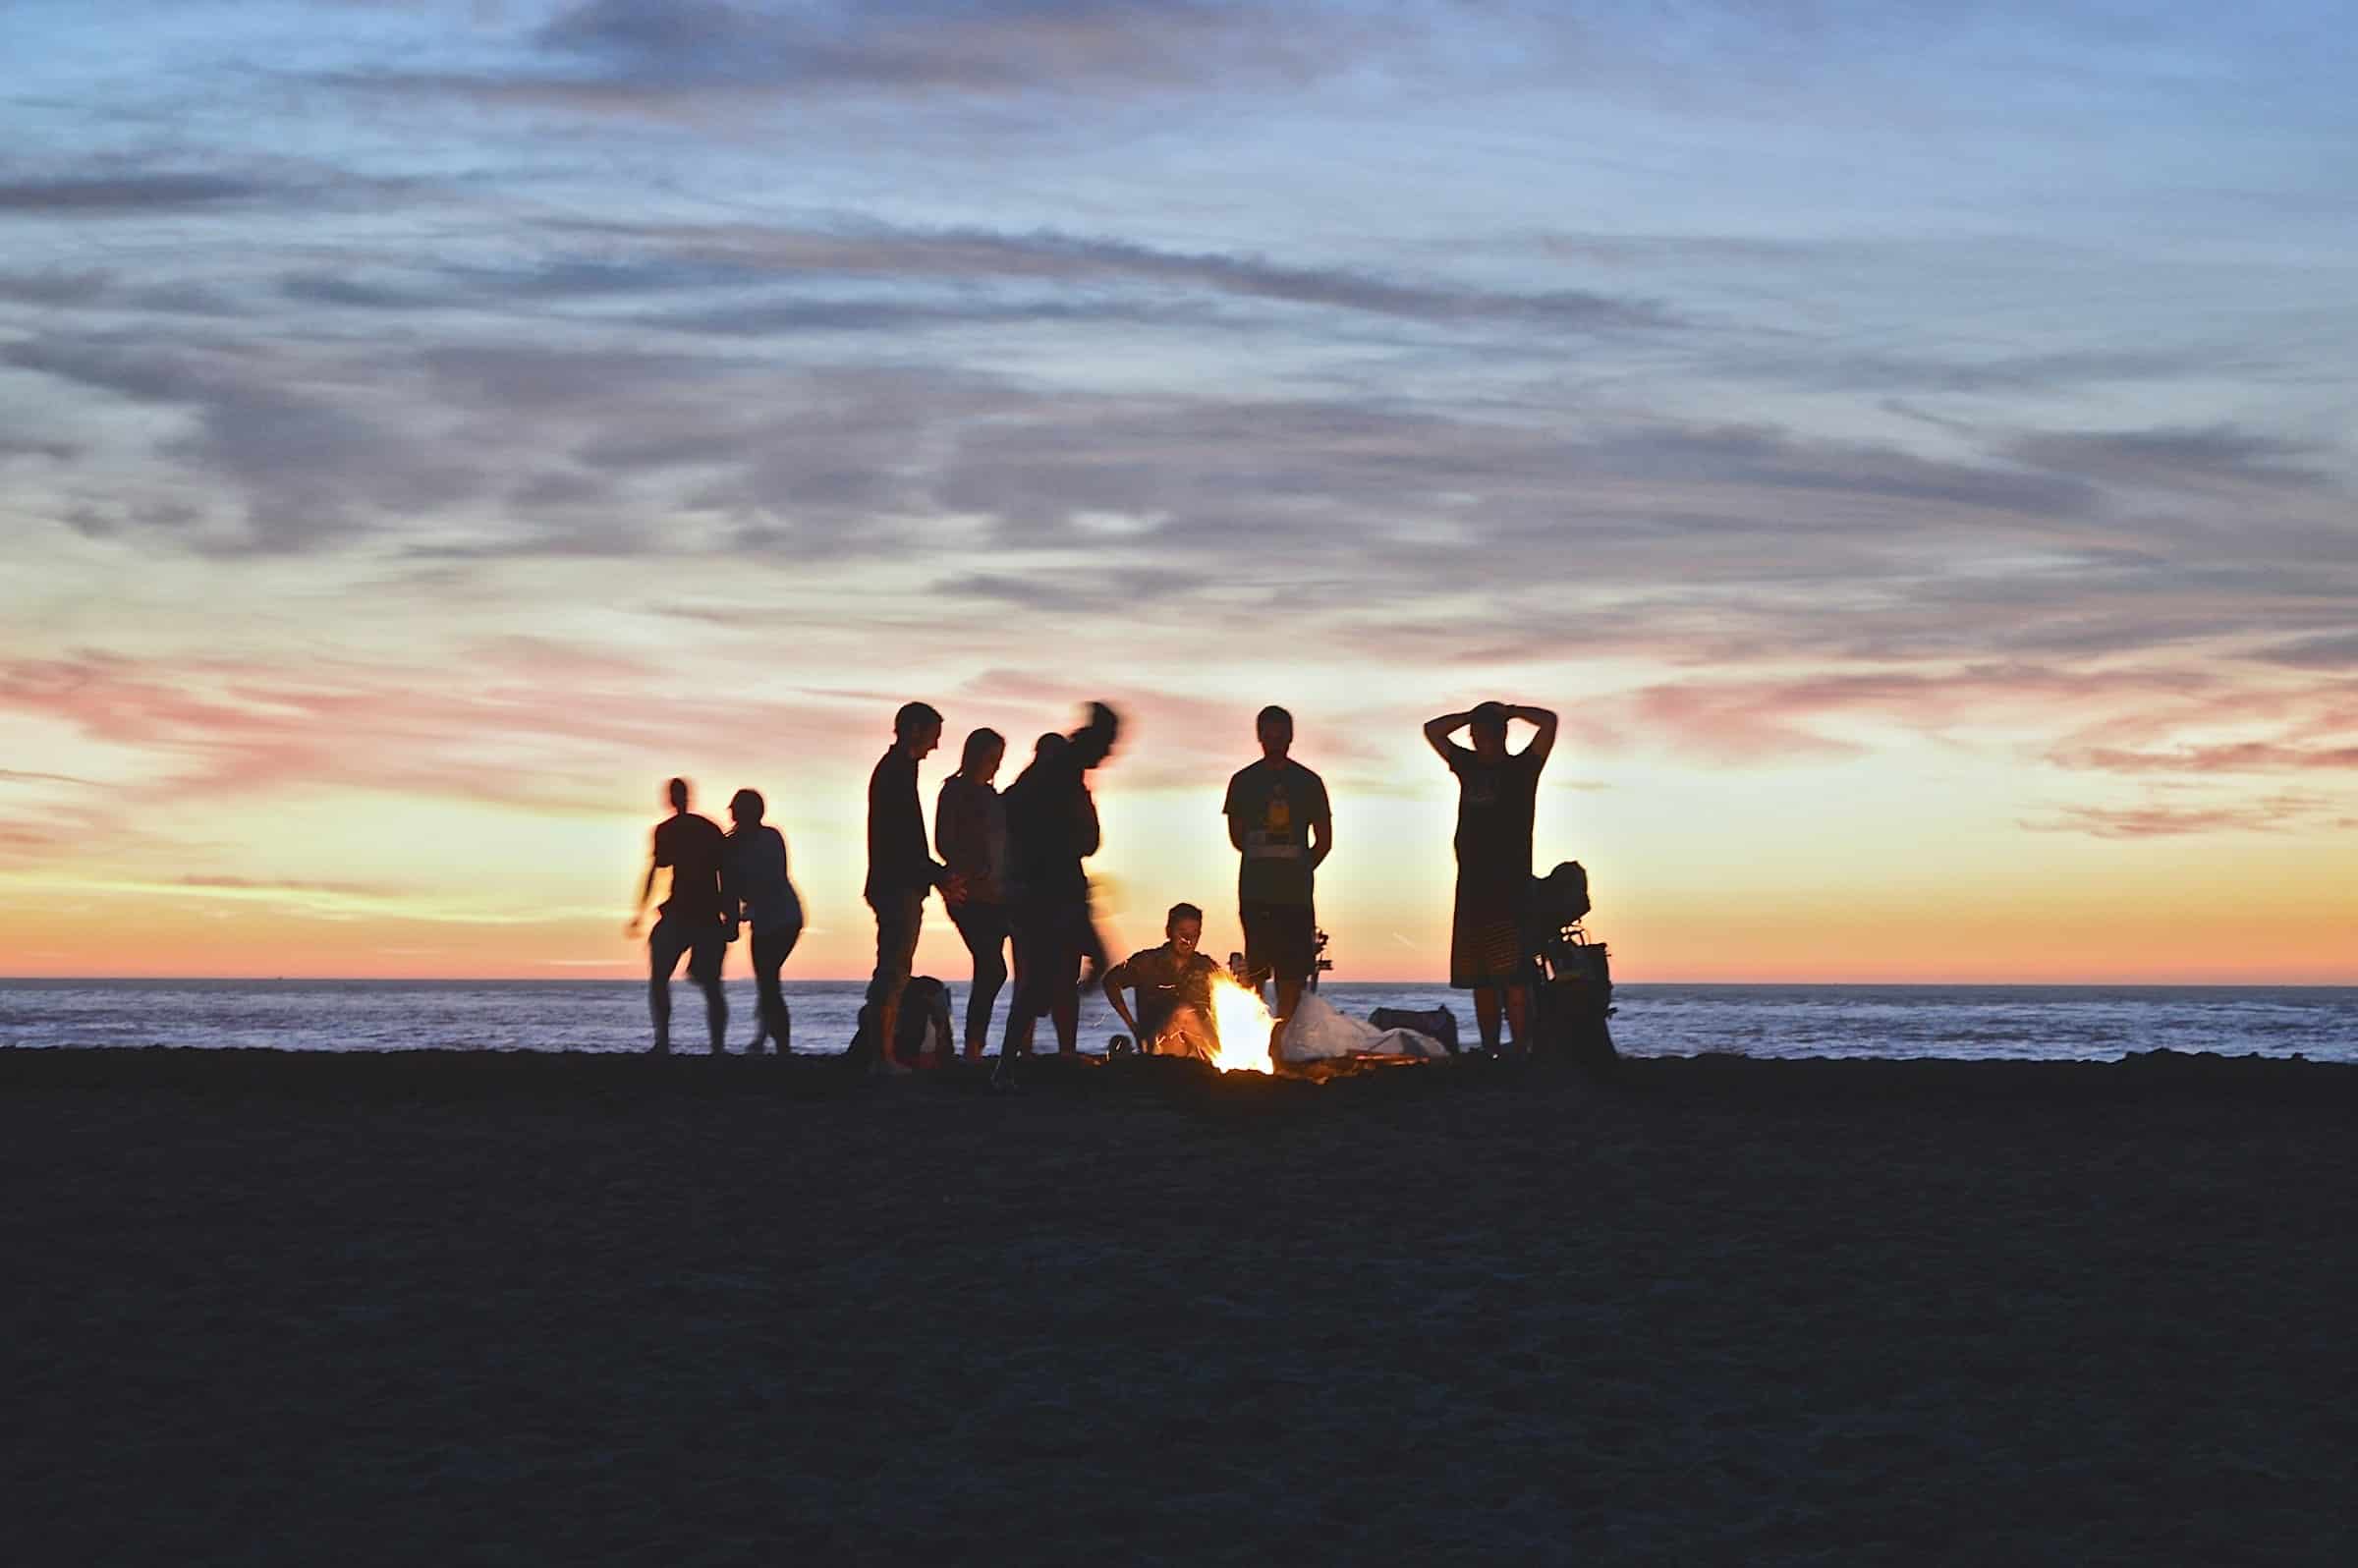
{"points": [[921, 1035], [1575, 1006], [1439, 1023]]}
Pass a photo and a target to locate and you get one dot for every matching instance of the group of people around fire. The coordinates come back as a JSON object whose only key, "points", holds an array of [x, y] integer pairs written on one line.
{"points": [[1010, 874]]}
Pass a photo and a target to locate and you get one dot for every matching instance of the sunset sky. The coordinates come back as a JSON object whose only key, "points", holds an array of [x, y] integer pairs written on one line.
{"points": [[1911, 444]]}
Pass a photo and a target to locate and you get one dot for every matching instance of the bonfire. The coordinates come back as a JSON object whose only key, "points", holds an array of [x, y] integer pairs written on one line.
{"points": [[1241, 1025]]}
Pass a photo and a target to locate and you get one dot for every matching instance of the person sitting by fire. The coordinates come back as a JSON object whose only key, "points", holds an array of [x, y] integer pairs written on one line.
{"points": [[1174, 982]]}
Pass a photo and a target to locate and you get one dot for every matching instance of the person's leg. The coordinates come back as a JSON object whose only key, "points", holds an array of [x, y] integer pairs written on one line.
{"points": [[781, 1020], [1067, 1009], [1292, 951], [1253, 921], [1187, 1033], [1030, 973], [1518, 1015], [983, 929], [1064, 975], [762, 949], [663, 949], [897, 919], [1094, 962], [1486, 1015], [703, 968]]}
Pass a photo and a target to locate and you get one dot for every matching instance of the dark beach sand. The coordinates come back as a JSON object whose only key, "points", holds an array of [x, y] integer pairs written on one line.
{"points": [[311, 1309]]}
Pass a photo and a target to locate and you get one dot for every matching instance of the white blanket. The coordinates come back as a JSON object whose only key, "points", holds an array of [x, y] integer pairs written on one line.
{"points": [[1318, 1032]]}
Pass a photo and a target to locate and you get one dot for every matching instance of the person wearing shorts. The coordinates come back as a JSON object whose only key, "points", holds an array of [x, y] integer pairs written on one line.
{"points": [[1280, 824], [691, 922]]}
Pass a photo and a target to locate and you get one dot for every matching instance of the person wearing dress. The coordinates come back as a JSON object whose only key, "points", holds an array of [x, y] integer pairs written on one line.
{"points": [[1497, 795]]}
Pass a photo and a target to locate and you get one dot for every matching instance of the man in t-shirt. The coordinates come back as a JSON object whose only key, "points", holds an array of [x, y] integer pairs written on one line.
{"points": [[1497, 794], [1279, 824], [691, 920], [1173, 984]]}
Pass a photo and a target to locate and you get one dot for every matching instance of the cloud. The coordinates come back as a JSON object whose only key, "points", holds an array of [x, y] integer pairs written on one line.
{"points": [[248, 884], [2238, 756], [680, 55], [517, 721], [2333, 652], [128, 194], [901, 256], [2209, 455], [2271, 814]]}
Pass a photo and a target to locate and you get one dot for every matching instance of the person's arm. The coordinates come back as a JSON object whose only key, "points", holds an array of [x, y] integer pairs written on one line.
{"points": [[646, 891], [1235, 824], [951, 883], [732, 889], [1322, 828], [951, 826], [1437, 731], [656, 860], [1545, 722], [1116, 978]]}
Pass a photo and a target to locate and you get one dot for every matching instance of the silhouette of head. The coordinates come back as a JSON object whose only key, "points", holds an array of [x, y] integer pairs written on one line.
{"points": [[979, 759], [917, 729], [1487, 727], [745, 807], [676, 792], [1275, 727], [1093, 741], [1185, 927]]}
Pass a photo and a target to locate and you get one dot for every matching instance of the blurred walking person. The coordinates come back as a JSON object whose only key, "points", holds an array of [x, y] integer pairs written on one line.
{"points": [[755, 881], [1284, 830], [1051, 829], [970, 832], [901, 870], [1497, 795], [691, 920]]}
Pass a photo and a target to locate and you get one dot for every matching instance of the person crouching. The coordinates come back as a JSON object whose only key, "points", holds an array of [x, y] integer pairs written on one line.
{"points": [[1173, 986]]}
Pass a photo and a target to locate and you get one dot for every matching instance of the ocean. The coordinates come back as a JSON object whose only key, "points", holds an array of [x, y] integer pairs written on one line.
{"points": [[2085, 1023]]}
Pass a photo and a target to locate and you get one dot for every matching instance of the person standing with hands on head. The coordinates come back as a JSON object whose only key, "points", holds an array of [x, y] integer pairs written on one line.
{"points": [[901, 869], [1280, 824], [692, 918], [1497, 795], [753, 879], [970, 830]]}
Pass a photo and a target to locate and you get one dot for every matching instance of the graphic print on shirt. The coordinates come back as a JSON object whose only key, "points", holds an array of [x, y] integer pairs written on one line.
{"points": [[1275, 838]]}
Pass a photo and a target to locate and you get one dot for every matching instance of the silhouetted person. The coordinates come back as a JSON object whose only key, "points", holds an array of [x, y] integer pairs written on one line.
{"points": [[755, 879], [901, 870], [1498, 792], [1174, 982], [1280, 824], [970, 831], [691, 920], [1051, 829]]}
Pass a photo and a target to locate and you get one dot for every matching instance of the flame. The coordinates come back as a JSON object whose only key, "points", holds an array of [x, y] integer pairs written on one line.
{"points": [[1242, 1025]]}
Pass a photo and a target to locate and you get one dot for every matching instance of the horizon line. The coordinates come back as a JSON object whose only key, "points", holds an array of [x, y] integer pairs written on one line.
{"points": [[1428, 984]]}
